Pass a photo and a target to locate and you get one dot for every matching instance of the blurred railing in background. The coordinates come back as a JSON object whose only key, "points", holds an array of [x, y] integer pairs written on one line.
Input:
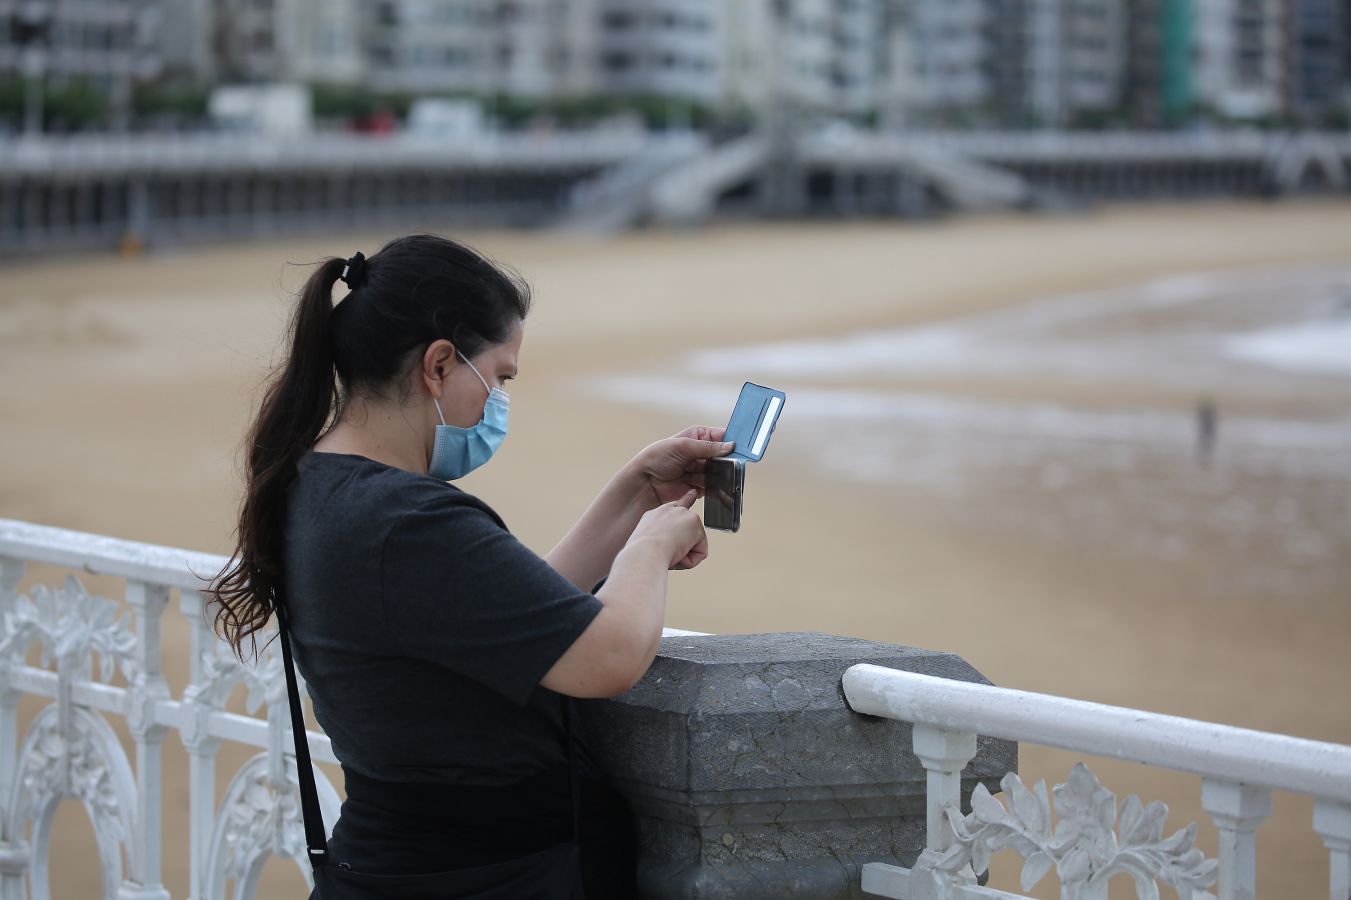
{"points": [[130, 191]]}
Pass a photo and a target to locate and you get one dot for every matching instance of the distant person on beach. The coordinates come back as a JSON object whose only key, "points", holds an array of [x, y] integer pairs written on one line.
{"points": [[440, 653], [1207, 425]]}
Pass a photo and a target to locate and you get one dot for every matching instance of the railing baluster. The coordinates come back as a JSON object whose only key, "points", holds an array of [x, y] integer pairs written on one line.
{"points": [[13, 852], [148, 601], [201, 749], [1237, 810], [1332, 821], [943, 754]]}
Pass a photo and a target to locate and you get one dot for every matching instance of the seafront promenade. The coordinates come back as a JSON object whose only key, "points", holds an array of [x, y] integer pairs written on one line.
{"points": [[108, 191]]}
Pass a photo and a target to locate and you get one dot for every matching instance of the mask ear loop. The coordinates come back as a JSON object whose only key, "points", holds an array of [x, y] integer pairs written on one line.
{"points": [[477, 373], [439, 414]]}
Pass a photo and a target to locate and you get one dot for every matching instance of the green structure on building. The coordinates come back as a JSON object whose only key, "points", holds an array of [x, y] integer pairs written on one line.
{"points": [[1176, 40]]}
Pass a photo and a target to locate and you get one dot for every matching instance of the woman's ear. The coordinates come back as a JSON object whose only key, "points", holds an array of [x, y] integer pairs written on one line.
{"points": [[437, 362]]}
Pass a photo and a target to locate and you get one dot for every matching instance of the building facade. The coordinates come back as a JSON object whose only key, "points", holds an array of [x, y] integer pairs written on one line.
{"points": [[1159, 85], [945, 73], [1012, 63], [819, 56], [104, 41], [430, 45], [1007, 62], [232, 41], [1076, 60], [665, 49], [1318, 66], [546, 47], [1240, 57]]}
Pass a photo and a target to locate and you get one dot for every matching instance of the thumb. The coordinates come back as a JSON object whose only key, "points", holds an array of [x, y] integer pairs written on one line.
{"points": [[709, 449]]}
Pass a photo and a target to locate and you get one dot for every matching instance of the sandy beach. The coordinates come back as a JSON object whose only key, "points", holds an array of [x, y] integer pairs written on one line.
{"points": [[989, 447]]}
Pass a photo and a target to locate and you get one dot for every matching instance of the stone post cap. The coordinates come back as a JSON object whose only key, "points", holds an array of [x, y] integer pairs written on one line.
{"points": [[766, 711]]}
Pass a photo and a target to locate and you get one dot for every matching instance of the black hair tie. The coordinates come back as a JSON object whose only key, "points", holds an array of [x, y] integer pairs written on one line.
{"points": [[354, 273]]}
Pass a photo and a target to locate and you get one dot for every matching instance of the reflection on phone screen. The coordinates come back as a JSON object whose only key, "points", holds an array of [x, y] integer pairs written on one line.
{"points": [[720, 496]]}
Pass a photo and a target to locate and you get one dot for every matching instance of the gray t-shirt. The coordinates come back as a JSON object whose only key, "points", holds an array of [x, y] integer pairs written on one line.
{"points": [[423, 627]]}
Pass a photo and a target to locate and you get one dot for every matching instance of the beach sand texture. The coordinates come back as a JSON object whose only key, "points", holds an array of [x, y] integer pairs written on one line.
{"points": [[989, 447]]}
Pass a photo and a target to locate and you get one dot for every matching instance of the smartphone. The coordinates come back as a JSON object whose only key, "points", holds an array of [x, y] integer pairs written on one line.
{"points": [[724, 486], [753, 419]]}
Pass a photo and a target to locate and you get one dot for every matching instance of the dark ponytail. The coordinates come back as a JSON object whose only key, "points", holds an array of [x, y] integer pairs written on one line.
{"points": [[416, 290], [297, 404]]}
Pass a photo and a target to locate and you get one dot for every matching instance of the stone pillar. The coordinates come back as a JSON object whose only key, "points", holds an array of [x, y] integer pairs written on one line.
{"points": [[751, 777]]}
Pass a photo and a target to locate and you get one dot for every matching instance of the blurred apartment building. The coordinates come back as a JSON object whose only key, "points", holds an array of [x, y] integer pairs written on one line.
{"points": [[825, 55], [264, 40], [104, 41], [526, 48], [821, 54], [1033, 62], [909, 62], [1318, 63], [1028, 62], [1239, 61], [1139, 62]]}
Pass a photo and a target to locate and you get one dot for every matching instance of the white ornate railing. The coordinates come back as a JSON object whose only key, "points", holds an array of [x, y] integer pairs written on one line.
{"points": [[72, 751], [1093, 840]]}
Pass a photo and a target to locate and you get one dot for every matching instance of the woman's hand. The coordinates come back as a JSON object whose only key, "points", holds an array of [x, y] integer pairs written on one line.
{"points": [[677, 530], [670, 468], [661, 474]]}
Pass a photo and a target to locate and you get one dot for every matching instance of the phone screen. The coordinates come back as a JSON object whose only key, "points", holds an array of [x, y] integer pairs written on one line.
{"points": [[722, 494]]}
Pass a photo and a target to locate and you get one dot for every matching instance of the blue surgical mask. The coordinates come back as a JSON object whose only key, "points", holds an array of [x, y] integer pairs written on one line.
{"points": [[458, 451]]}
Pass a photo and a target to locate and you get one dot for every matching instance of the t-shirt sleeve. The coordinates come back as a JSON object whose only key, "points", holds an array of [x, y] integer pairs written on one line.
{"points": [[461, 592]]}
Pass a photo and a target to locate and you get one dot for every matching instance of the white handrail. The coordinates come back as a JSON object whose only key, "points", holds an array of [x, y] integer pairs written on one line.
{"points": [[101, 555], [1239, 769], [1275, 761]]}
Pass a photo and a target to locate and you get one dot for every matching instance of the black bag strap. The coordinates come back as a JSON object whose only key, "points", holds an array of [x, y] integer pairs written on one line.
{"points": [[309, 794]]}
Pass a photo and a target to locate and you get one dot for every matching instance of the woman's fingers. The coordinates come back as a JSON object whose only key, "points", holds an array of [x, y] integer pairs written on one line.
{"points": [[703, 433], [695, 449], [697, 554], [678, 527]]}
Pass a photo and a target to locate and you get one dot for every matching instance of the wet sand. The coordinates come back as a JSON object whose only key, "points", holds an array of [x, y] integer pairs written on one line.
{"points": [[129, 383]]}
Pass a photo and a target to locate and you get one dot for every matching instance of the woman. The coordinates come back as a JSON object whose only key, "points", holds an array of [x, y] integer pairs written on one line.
{"points": [[439, 651]]}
